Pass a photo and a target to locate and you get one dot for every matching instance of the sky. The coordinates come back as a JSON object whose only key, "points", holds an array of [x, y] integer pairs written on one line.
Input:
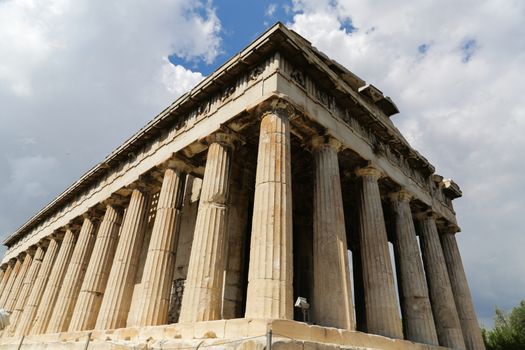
{"points": [[78, 78]]}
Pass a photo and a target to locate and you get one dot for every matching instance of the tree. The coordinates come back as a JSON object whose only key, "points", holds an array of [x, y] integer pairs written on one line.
{"points": [[509, 330]]}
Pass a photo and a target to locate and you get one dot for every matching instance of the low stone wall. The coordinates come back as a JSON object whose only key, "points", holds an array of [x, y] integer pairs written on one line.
{"points": [[238, 334]]}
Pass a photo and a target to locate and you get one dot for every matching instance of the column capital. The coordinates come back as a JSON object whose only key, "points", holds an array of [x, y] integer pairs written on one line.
{"points": [[178, 163], [325, 141], [425, 214], [225, 138], [115, 200], [400, 196], [369, 170], [279, 105]]}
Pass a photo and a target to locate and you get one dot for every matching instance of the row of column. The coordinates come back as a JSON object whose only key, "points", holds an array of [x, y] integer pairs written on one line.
{"points": [[92, 274]]}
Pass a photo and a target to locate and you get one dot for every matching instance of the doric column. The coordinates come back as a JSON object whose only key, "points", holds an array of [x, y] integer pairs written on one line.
{"points": [[37, 290], [9, 284], [53, 285], [332, 294], [5, 277], [461, 291], [17, 285], [202, 298], [418, 321], [73, 280], [3, 269], [119, 290], [382, 315], [28, 283], [270, 275], [160, 259], [94, 284], [443, 308]]}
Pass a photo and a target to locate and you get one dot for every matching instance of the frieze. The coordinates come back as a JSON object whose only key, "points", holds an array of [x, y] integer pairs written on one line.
{"points": [[394, 157]]}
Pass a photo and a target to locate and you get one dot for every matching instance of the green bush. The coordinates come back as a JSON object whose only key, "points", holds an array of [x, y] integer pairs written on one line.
{"points": [[509, 330]]}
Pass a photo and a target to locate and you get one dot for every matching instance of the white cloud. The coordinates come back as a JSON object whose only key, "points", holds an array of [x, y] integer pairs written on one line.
{"points": [[270, 10], [455, 69], [78, 78], [178, 79]]}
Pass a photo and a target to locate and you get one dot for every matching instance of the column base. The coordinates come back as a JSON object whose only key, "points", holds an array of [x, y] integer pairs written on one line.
{"points": [[240, 333]]}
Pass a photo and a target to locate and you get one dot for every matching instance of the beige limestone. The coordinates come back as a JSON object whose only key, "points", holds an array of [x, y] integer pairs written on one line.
{"points": [[460, 289], [382, 315], [332, 294], [202, 299], [17, 285], [26, 288], [9, 284], [56, 278], [70, 289], [38, 288], [152, 308], [241, 192], [418, 321], [270, 274], [5, 277], [137, 289], [119, 289], [188, 219], [92, 290], [2, 273], [443, 308]]}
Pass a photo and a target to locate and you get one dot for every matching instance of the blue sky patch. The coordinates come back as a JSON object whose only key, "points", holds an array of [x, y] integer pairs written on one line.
{"points": [[468, 48], [242, 22]]}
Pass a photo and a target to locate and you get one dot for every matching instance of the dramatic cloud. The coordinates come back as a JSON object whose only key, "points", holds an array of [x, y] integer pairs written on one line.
{"points": [[455, 69], [78, 78]]}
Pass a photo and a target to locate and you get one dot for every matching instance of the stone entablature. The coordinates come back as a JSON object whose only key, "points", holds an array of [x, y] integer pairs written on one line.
{"points": [[246, 193], [259, 82]]}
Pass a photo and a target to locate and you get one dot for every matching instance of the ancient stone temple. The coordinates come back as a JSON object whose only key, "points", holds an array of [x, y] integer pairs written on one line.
{"points": [[281, 175]]}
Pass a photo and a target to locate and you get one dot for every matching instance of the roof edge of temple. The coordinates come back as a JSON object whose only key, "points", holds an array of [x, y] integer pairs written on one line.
{"points": [[279, 38]]}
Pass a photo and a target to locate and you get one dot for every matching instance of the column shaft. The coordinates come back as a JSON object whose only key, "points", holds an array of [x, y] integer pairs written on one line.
{"points": [[37, 290], [160, 259], [443, 308], [17, 285], [270, 275], [5, 279], [461, 291], [28, 283], [332, 294], [2, 274], [97, 273], [119, 290], [53, 286], [382, 315], [418, 321], [10, 282], [73, 280], [202, 298]]}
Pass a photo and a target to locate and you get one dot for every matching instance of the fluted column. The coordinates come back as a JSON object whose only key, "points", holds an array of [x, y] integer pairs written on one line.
{"points": [[37, 290], [73, 279], [94, 284], [461, 291], [5, 278], [160, 259], [17, 285], [119, 290], [9, 284], [418, 322], [382, 315], [270, 275], [2, 274], [27, 285], [443, 308], [53, 286], [202, 298], [332, 293]]}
